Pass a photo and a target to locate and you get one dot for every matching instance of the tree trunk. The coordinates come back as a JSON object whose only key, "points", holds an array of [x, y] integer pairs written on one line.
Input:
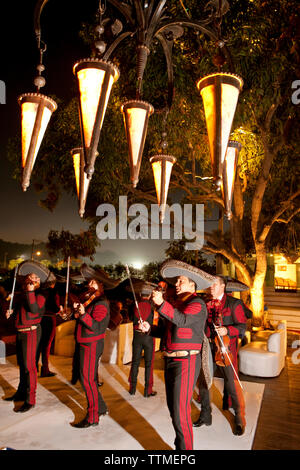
{"points": [[257, 287]]}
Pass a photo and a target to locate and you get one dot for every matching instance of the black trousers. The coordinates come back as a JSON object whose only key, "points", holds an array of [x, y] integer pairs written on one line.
{"points": [[142, 343], [48, 325], [181, 374], [26, 348], [232, 388], [89, 354]]}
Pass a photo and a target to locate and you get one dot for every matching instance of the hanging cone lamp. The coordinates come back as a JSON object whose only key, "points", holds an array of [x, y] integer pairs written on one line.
{"points": [[136, 117], [82, 181], [162, 167], [220, 92], [229, 173], [36, 111], [95, 80]]}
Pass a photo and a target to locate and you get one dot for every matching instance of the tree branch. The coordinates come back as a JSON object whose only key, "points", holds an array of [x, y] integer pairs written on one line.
{"points": [[276, 217], [218, 247]]}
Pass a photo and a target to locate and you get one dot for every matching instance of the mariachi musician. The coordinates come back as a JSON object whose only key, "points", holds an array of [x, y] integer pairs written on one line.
{"points": [[226, 323], [92, 312], [181, 328], [144, 310], [28, 307]]}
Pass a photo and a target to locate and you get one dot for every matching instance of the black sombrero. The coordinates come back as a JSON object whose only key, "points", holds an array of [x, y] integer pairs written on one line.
{"points": [[31, 266], [171, 269], [142, 287], [233, 285], [89, 273]]}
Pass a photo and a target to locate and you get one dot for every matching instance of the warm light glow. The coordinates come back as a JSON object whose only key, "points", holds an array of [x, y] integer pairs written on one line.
{"points": [[162, 168], [137, 264], [81, 178], [229, 172], [29, 112], [95, 80], [136, 116], [76, 164], [220, 94], [36, 111], [90, 87]]}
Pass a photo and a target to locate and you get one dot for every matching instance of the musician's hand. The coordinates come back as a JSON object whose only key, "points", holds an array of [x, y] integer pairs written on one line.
{"points": [[65, 313], [143, 326], [157, 297], [222, 330], [79, 308], [8, 313]]}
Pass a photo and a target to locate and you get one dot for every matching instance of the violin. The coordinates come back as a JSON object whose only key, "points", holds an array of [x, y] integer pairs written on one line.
{"points": [[223, 356], [86, 298]]}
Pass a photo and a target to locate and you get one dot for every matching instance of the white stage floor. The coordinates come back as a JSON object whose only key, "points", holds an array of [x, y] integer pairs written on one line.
{"points": [[133, 423]]}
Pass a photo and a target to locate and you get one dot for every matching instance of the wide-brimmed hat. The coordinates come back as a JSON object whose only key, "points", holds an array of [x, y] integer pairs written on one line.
{"points": [[100, 275], [142, 287], [30, 266], [171, 269], [233, 285]]}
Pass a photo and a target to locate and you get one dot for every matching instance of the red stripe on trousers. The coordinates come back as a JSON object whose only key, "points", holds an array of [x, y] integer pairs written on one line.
{"points": [[186, 391], [90, 386], [31, 365]]}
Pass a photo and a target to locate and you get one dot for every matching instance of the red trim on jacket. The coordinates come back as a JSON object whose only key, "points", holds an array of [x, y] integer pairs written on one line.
{"points": [[92, 325], [30, 309]]}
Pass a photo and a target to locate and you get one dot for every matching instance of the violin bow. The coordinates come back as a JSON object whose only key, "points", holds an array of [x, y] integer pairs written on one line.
{"points": [[13, 289], [67, 284], [224, 350], [131, 285]]}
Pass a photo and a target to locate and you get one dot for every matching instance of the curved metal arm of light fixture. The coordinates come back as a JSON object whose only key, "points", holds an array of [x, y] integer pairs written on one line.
{"points": [[37, 16], [115, 44], [199, 26], [167, 48]]}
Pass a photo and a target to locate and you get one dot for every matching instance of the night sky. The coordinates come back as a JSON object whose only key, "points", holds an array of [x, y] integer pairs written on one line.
{"points": [[22, 220]]}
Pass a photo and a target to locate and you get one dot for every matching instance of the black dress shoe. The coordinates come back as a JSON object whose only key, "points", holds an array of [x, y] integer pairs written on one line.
{"points": [[152, 394], [15, 397], [201, 421], [100, 384], [132, 392], [104, 413], [47, 374], [25, 407], [84, 424], [238, 430]]}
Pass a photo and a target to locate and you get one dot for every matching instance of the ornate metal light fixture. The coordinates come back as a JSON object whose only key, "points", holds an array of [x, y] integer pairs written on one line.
{"points": [[145, 21], [136, 116], [162, 167], [95, 79], [81, 178], [220, 94], [229, 173], [36, 111]]}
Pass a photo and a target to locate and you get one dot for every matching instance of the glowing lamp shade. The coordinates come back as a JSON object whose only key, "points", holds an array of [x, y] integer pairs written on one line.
{"points": [[136, 117], [162, 168], [36, 111], [82, 181], [229, 173], [220, 94], [95, 79]]}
